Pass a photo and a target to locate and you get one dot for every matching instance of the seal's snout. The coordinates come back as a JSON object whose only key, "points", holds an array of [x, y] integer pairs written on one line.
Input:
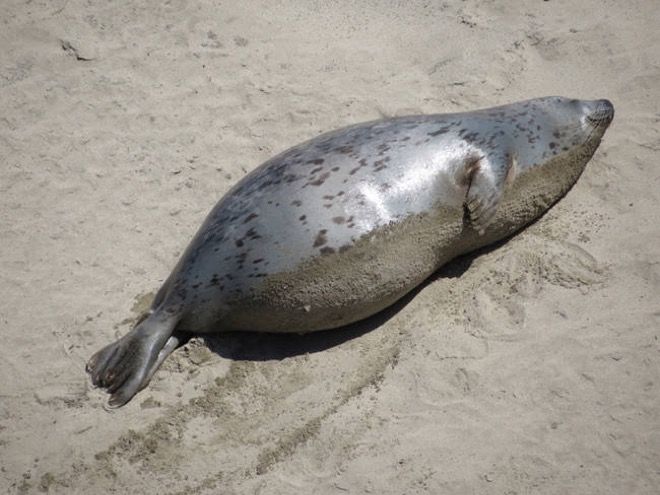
{"points": [[601, 113]]}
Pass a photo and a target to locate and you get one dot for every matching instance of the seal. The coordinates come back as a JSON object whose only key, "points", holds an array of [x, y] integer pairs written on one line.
{"points": [[336, 229]]}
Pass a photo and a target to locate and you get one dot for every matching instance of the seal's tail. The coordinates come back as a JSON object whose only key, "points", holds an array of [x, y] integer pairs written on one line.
{"points": [[125, 367]]}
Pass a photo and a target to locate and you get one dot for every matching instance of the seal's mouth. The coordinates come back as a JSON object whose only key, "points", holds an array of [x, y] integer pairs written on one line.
{"points": [[602, 114]]}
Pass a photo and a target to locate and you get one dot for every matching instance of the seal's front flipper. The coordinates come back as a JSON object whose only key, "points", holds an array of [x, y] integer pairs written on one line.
{"points": [[125, 367], [486, 178]]}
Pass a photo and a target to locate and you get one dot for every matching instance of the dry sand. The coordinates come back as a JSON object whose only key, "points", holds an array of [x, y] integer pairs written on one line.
{"points": [[533, 367]]}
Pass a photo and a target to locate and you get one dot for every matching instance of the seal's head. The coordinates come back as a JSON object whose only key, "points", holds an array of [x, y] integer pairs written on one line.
{"points": [[547, 146], [598, 114], [559, 127], [579, 120]]}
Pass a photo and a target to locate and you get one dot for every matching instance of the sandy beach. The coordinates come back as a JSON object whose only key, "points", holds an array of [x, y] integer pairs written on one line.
{"points": [[532, 367]]}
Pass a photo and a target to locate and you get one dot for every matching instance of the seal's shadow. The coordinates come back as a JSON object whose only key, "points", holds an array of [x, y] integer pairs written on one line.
{"points": [[267, 346]]}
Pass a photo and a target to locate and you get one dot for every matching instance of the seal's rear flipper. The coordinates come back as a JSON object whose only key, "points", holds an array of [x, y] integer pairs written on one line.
{"points": [[125, 367]]}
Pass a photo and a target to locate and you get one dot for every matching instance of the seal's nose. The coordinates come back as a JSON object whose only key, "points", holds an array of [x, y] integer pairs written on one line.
{"points": [[602, 112]]}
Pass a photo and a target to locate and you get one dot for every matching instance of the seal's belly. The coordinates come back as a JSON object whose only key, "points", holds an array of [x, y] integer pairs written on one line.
{"points": [[339, 288], [342, 286]]}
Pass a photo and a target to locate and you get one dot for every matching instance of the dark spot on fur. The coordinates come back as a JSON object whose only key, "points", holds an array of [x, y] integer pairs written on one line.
{"points": [[252, 234], [317, 161], [328, 197], [340, 193], [239, 242], [552, 145], [344, 248], [302, 218], [339, 220], [250, 217], [320, 180], [407, 138], [437, 132], [316, 170], [379, 165], [258, 260], [353, 171], [264, 185], [471, 137], [321, 239], [296, 202], [345, 149], [557, 134], [327, 250], [335, 169]]}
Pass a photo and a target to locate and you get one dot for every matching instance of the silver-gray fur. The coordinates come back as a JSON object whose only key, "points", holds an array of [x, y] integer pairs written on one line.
{"points": [[338, 228]]}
